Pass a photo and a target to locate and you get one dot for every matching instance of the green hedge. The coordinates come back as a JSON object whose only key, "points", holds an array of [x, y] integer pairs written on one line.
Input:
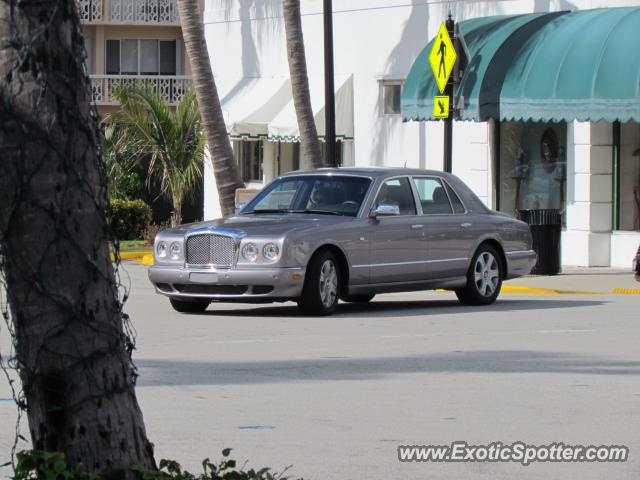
{"points": [[129, 218]]}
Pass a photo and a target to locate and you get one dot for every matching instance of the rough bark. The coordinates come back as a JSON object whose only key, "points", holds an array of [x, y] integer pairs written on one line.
{"points": [[300, 84], [176, 213], [72, 350], [225, 167]]}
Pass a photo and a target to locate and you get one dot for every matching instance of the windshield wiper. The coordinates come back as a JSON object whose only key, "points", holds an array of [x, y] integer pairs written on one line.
{"points": [[270, 210], [322, 212], [287, 210]]}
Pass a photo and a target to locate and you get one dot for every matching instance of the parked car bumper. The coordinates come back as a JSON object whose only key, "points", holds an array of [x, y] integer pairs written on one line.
{"points": [[520, 263], [228, 284]]}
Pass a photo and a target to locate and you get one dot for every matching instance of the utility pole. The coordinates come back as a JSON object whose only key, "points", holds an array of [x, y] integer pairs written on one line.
{"points": [[329, 95], [448, 122]]}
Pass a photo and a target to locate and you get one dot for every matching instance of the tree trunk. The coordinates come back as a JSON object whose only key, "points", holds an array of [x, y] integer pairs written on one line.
{"points": [[300, 84], [225, 167], [73, 354], [176, 214]]}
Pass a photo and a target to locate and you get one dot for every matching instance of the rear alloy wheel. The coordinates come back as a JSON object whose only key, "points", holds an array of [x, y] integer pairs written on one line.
{"points": [[196, 305], [322, 285], [484, 279]]}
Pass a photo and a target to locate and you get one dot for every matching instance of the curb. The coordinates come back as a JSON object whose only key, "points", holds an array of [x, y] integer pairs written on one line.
{"points": [[132, 255], [519, 289], [147, 260], [626, 291]]}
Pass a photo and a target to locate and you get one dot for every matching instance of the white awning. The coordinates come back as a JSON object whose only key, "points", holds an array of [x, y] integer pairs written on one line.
{"points": [[249, 107], [263, 107], [284, 127]]}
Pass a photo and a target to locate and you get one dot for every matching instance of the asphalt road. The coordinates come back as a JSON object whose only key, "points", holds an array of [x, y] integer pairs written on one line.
{"points": [[335, 396]]}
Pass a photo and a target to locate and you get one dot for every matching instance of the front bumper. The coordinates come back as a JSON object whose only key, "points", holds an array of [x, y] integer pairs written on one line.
{"points": [[228, 284]]}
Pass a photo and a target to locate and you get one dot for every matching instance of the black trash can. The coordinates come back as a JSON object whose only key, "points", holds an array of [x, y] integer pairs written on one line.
{"points": [[546, 225]]}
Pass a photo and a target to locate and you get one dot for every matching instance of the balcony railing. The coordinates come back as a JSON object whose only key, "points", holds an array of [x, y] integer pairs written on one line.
{"points": [[171, 88], [90, 10], [129, 11]]}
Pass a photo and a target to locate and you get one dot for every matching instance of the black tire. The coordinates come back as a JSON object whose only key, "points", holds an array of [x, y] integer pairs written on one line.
{"points": [[322, 284], [195, 305], [357, 298], [484, 278]]}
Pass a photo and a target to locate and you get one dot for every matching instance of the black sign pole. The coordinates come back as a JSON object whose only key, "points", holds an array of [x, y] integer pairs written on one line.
{"points": [[329, 96], [448, 122]]}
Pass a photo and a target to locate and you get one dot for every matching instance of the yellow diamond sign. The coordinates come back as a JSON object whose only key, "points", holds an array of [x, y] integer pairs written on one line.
{"points": [[441, 106], [442, 57]]}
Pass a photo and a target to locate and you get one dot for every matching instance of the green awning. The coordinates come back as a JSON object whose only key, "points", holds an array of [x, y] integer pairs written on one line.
{"points": [[546, 66], [581, 66]]}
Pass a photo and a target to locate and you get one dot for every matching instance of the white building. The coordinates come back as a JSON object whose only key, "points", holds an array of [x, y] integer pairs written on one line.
{"points": [[377, 43]]}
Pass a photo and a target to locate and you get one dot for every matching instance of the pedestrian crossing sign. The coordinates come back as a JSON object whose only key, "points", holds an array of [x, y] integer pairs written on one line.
{"points": [[442, 57], [441, 106]]}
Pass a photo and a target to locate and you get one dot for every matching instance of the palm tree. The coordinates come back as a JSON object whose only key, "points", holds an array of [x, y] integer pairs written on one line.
{"points": [[73, 353], [173, 143], [225, 168], [123, 181], [300, 84]]}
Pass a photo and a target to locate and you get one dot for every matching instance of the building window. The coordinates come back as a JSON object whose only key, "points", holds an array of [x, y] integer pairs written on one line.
{"points": [[141, 57], [532, 166], [249, 158], [391, 91], [629, 177]]}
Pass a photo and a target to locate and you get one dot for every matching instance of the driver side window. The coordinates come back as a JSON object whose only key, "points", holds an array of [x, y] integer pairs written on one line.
{"points": [[397, 191]]}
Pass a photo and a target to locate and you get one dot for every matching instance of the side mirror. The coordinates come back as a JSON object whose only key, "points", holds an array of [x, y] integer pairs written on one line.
{"points": [[240, 206], [385, 210]]}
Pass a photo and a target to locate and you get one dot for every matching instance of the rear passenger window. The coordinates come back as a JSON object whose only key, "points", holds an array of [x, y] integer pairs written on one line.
{"points": [[433, 196], [458, 207]]}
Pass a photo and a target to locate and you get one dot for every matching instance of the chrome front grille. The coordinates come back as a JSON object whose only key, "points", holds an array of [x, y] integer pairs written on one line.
{"points": [[209, 249]]}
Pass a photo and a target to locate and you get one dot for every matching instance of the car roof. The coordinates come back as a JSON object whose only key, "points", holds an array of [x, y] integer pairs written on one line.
{"points": [[368, 171]]}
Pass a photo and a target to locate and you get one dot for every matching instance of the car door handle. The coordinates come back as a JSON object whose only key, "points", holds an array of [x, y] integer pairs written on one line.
{"points": [[417, 226], [466, 225]]}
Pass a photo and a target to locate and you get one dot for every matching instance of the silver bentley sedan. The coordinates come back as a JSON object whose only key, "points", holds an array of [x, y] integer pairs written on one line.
{"points": [[318, 236]]}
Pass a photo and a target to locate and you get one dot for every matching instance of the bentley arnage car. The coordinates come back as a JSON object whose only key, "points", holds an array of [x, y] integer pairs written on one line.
{"points": [[315, 237]]}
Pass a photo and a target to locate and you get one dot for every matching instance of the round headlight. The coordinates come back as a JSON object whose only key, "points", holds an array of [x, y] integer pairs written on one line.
{"points": [[250, 252], [270, 251], [161, 249], [175, 250]]}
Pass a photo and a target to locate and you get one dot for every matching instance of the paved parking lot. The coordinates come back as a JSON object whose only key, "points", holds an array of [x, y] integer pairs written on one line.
{"points": [[335, 396]]}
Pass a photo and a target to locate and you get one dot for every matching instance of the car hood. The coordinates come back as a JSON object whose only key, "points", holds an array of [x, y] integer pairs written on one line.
{"points": [[263, 225]]}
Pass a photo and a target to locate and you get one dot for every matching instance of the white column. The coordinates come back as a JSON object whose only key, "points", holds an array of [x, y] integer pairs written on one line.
{"points": [[586, 241], [268, 161], [471, 157]]}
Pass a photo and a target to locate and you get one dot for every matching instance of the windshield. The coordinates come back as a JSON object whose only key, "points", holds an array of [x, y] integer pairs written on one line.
{"points": [[322, 194]]}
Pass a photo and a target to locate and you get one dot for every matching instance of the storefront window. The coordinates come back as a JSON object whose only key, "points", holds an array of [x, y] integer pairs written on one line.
{"points": [[249, 157], [532, 166], [629, 196]]}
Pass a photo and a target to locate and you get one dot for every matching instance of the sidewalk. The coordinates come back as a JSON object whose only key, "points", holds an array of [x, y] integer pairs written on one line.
{"points": [[580, 280]]}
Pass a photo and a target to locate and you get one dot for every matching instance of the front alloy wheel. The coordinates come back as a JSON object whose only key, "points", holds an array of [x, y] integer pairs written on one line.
{"points": [[484, 279], [322, 285]]}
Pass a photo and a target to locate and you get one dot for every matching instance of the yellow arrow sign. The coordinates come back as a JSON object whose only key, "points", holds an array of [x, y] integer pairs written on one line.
{"points": [[442, 57], [441, 106]]}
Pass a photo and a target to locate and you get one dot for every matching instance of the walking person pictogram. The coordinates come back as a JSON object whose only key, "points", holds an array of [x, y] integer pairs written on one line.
{"points": [[442, 51]]}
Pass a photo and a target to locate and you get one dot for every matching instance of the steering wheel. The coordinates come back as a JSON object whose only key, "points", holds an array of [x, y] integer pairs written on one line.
{"points": [[350, 203]]}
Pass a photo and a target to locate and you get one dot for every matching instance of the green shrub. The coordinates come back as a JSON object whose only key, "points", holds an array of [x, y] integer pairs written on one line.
{"points": [[35, 465], [129, 218]]}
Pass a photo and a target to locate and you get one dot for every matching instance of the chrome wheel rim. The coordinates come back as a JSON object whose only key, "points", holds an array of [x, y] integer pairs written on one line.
{"points": [[486, 274], [328, 283]]}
